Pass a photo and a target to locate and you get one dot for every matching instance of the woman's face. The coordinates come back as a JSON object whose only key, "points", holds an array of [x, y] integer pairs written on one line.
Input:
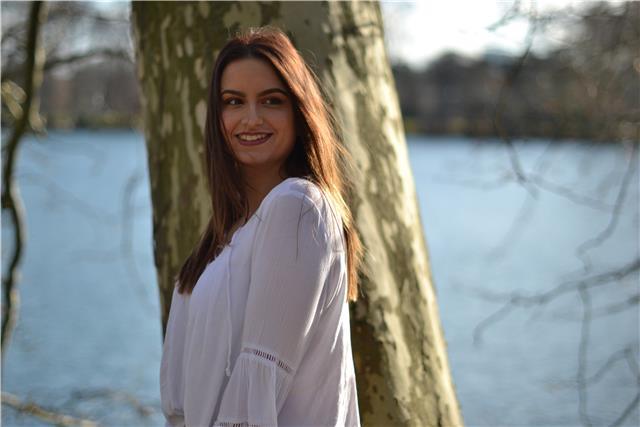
{"points": [[257, 115]]}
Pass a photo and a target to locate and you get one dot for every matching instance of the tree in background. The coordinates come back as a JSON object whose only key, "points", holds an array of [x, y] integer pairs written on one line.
{"points": [[583, 87], [588, 88], [35, 41], [400, 354], [21, 100], [86, 53]]}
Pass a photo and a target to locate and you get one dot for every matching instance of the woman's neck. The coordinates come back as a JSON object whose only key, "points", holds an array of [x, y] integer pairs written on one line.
{"points": [[258, 186]]}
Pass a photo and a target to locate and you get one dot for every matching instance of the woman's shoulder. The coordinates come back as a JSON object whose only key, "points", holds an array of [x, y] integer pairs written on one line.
{"points": [[316, 201], [313, 198], [308, 188], [298, 187]]}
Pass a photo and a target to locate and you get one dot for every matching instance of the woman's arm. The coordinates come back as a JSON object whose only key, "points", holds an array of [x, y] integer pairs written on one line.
{"points": [[291, 259]]}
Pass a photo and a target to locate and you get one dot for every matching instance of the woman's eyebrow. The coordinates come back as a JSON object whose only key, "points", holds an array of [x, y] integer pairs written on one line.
{"points": [[264, 92]]}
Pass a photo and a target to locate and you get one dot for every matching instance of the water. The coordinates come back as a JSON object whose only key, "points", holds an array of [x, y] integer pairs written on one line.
{"points": [[89, 335], [498, 238], [89, 318]]}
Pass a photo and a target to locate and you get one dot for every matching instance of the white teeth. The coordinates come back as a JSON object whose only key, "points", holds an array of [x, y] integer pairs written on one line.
{"points": [[252, 137]]}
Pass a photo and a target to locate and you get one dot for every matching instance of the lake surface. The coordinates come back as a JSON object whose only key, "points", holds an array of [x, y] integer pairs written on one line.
{"points": [[88, 339]]}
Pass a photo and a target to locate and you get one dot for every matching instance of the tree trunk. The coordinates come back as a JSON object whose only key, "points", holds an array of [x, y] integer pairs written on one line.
{"points": [[400, 354], [26, 116]]}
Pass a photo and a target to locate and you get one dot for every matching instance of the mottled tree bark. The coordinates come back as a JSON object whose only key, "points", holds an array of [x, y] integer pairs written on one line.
{"points": [[400, 354]]}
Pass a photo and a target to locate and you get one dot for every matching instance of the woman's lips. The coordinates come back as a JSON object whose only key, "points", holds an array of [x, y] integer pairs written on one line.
{"points": [[254, 142]]}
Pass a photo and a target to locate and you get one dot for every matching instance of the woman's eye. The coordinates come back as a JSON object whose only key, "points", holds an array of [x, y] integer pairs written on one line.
{"points": [[231, 101], [273, 101]]}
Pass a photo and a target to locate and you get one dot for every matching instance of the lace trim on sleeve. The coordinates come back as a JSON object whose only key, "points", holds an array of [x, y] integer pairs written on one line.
{"points": [[268, 356], [230, 424]]}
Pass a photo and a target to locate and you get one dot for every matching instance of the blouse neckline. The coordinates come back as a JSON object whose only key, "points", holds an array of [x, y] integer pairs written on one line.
{"points": [[262, 202]]}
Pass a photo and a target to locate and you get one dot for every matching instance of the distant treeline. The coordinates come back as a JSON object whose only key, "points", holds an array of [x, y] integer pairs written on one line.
{"points": [[589, 88]]}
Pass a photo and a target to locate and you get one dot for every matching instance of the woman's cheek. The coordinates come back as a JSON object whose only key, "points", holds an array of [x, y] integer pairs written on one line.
{"points": [[281, 117], [230, 126], [227, 121]]}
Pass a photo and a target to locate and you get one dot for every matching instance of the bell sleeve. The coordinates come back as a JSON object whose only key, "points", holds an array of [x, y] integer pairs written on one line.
{"points": [[290, 263]]}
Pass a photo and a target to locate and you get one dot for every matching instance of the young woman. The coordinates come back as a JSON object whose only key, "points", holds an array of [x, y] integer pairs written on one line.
{"points": [[258, 331]]}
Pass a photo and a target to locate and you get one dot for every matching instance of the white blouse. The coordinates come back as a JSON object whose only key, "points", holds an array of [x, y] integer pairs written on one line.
{"points": [[264, 338]]}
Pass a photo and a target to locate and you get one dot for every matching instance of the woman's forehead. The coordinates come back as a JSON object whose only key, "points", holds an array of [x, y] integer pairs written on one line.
{"points": [[250, 75]]}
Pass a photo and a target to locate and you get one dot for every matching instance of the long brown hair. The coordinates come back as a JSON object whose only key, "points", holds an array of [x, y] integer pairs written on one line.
{"points": [[317, 155]]}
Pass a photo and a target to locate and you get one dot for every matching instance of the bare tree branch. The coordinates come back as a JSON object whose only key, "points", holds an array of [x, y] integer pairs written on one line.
{"points": [[518, 299], [510, 79], [605, 107], [493, 318], [44, 414], [55, 62], [511, 13], [63, 195], [515, 229], [10, 196], [607, 310], [142, 409], [631, 302], [103, 53], [625, 414], [581, 251], [567, 193], [619, 355], [583, 351]]}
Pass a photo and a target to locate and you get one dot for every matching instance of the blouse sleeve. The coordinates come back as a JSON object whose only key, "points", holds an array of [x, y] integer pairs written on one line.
{"points": [[290, 263]]}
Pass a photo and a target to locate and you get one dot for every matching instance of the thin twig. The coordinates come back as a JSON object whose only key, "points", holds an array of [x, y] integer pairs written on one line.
{"points": [[47, 415], [627, 411], [581, 251], [105, 393], [583, 349], [518, 299]]}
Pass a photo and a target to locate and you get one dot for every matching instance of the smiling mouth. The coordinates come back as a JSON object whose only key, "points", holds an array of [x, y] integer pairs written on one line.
{"points": [[253, 139]]}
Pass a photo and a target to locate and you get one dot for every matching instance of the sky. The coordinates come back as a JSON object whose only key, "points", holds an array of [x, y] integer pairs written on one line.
{"points": [[419, 31]]}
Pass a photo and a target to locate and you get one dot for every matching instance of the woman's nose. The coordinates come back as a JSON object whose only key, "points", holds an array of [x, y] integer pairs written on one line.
{"points": [[253, 116]]}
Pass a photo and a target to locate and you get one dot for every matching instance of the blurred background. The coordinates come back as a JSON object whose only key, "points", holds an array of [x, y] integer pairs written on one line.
{"points": [[522, 124]]}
